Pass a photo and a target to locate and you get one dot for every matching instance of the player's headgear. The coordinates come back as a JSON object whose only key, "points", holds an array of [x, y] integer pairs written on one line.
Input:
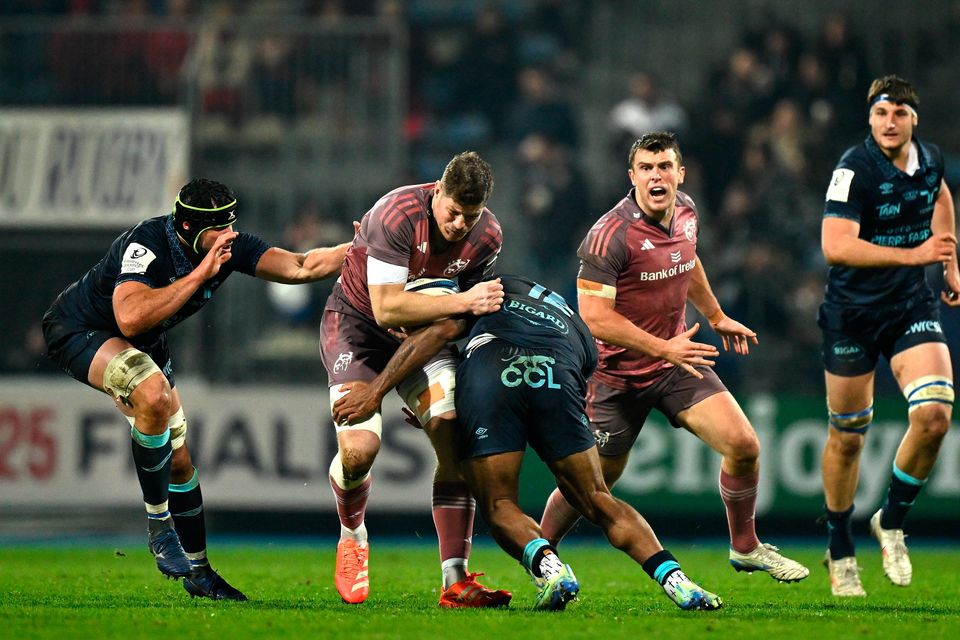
{"points": [[203, 204], [893, 89]]}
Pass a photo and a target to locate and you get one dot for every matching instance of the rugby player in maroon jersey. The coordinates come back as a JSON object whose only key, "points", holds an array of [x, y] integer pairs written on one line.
{"points": [[638, 269]]}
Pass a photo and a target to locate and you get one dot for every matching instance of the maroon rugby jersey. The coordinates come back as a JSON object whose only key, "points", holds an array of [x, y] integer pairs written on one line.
{"points": [[396, 230], [650, 267]]}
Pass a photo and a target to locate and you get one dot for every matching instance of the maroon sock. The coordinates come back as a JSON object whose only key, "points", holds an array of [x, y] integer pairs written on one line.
{"points": [[453, 509], [352, 503], [739, 495]]}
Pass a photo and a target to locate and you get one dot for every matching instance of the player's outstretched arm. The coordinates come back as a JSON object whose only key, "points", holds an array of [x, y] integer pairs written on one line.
{"points": [[138, 308], [607, 324], [364, 398], [287, 267], [731, 332]]}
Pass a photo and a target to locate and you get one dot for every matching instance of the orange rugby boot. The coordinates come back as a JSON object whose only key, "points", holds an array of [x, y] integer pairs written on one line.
{"points": [[468, 593], [351, 573]]}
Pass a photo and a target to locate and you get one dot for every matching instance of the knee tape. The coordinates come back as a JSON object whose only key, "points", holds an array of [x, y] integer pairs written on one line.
{"points": [[178, 429], [853, 422], [430, 393], [126, 370], [929, 390], [373, 424]]}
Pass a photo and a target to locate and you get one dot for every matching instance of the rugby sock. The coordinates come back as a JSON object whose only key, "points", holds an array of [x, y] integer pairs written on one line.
{"points": [[151, 457], [903, 491], [540, 559], [453, 509], [559, 518], [660, 566], [840, 534], [739, 494], [186, 507], [351, 497]]}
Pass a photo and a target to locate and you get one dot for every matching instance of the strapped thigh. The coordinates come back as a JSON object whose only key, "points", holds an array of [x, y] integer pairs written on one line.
{"points": [[430, 392], [929, 390], [373, 424]]}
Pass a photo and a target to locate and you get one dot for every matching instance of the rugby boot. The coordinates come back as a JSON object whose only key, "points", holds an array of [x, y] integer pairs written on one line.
{"points": [[204, 582], [896, 558], [351, 576], [470, 594], [559, 589], [766, 557], [164, 544]]}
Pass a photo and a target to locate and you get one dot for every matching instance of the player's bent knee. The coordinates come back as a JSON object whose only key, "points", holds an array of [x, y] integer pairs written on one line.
{"points": [[933, 421], [930, 391], [853, 422]]}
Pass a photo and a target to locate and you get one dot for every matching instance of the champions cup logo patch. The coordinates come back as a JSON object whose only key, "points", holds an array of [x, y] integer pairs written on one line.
{"points": [[455, 267], [136, 259], [690, 230]]}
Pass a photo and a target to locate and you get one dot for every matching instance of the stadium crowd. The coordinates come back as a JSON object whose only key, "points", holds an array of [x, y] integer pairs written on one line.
{"points": [[760, 137]]}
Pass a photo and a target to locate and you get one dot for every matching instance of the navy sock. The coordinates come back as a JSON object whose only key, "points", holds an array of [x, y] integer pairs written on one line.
{"points": [[660, 566], [900, 497], [186, 507], [151, 457], [840, 533]]}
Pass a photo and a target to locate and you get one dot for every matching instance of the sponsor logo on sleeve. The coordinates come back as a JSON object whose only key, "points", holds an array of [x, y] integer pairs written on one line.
{"points": [[136, 259]]}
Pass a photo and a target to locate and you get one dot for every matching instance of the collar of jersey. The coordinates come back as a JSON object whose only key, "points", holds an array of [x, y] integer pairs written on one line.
{"points": [[888, 168], [181, 263]]}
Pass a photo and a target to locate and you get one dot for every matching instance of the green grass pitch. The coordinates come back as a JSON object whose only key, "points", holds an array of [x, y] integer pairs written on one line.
{"points": [[94, 591]]}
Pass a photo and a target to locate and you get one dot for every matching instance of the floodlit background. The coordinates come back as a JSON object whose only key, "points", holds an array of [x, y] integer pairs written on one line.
{"points": [[310, 110]]}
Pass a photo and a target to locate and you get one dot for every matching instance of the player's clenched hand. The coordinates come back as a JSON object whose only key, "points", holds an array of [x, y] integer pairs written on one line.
{"points": [[732, 332], [484, 297], [219, 253], [686, 354], [940, 247], [951, 284], [357, 405]]}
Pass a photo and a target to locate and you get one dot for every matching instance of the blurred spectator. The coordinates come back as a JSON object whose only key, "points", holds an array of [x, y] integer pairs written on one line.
{"points": [[540, 110], [554, 207], [647, 108], [166, 49], [490, 62], [222, 67]]}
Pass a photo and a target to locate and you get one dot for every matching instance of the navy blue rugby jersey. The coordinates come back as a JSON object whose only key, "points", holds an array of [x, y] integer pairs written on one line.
{"points": [[151, 253], [535, 317], [894, 210]]}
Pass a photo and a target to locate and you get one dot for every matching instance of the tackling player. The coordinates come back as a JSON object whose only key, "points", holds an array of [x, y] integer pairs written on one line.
{"points": [[108, 330]]}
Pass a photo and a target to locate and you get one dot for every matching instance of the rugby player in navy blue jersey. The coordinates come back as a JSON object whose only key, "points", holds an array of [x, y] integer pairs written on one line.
{"points": [[108, 330], [888, 215], [522, 381]]}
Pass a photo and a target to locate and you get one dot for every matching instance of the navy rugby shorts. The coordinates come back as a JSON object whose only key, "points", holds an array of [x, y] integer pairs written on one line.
{"points": [[854, 337], [510, 396], [73, 348]]}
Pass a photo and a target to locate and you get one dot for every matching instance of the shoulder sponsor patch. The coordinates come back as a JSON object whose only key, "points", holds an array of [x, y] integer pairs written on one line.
{"points": [[136, 259], [839, 189]]}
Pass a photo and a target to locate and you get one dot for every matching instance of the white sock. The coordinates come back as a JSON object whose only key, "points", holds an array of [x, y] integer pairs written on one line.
{"points": [[359, 534], [454, 570]]}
